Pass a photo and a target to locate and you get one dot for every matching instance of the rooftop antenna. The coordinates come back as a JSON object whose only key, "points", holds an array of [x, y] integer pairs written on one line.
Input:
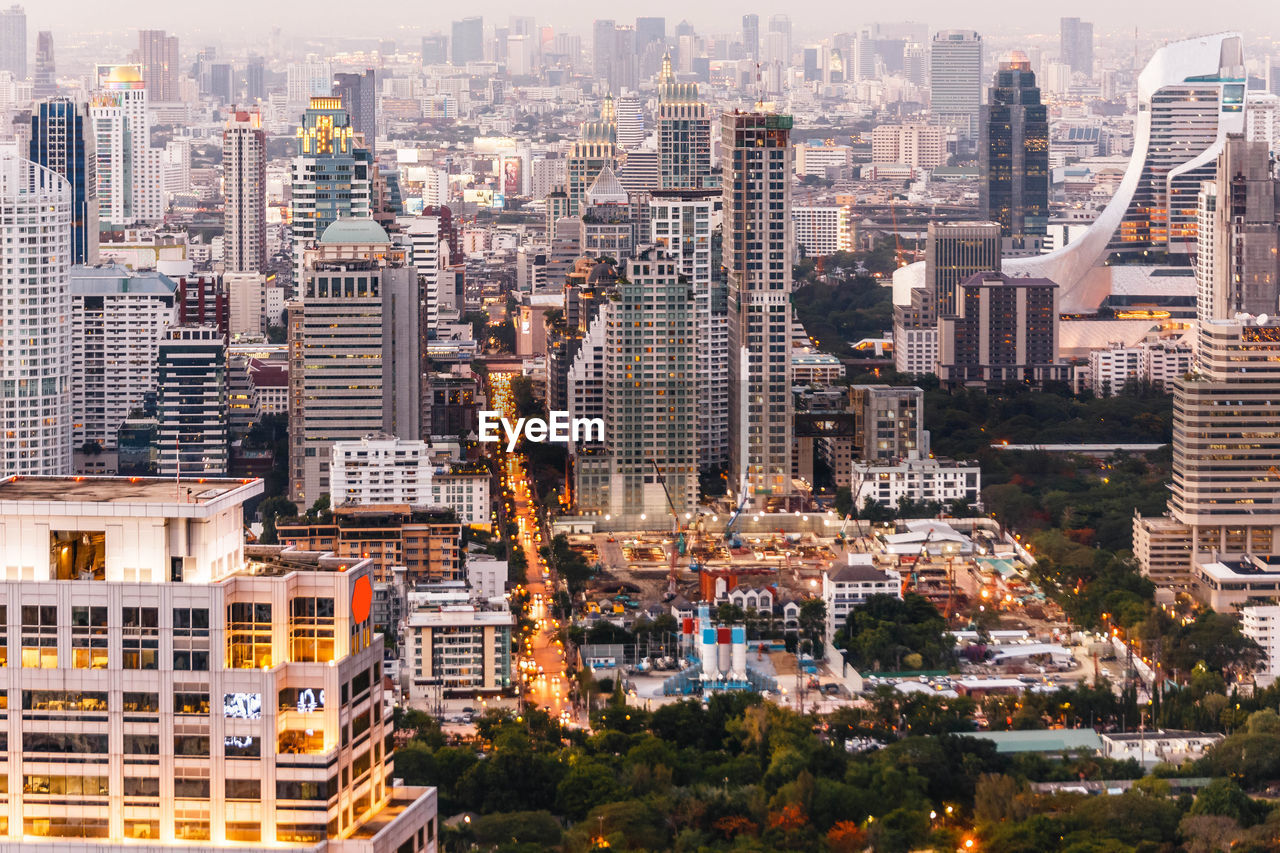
{"points": [[759, 90]]}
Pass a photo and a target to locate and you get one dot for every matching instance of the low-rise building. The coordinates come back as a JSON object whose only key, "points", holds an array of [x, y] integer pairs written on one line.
{"points": [[917, 479], [821, 230], [427, 543], [1229, 585], [850, 586], [461, 648], [1159, 746], [1155, 362], [1261, 623]]}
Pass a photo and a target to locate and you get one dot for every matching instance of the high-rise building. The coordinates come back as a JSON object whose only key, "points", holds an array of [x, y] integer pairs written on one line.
{"points": [[630, 111], [1014, 157], [241, 676], [1002, 331], [118, 319], [781, 24], [44, 82], [955, 75], [331, 176], [954, 251], [62, 140], [915, 63], [1075, 45], [467, 41], [35, 345], [435, 49], [130, 172], [354, 349], [244, 188], [427, 237], [650, 30], [1238, 240], [684, 133], [255, 84], [751, 37], [13, 41], [360, 99], [1224, 506], [603, 44], [682, 224], [158, 55], [595, 148], [650, 452], [192, 403], [922, 146], [307, 80], [888, 422], [1191, 97], [756, 155]]}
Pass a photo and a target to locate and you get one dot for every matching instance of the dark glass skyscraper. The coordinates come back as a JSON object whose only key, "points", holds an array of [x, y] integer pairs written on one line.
{"points": [[360, 101], [1014, 156], [44, 83], [468, 41], [62, 141]]}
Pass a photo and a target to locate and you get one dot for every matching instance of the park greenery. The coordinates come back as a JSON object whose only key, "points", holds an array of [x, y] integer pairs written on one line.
{"points": [[895, 773]]}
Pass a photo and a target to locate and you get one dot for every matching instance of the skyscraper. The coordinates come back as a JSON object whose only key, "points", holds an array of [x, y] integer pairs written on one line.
{"points": [[1014, 157], [681, 226], [1224, 505], [44, 83], [630, 111], [781, 24], [354, 349], [603, 45], [684, 133], [955, 73], [13, 41], [331, 177], [360, 99], [954, 251], [118, 318], [467, 41], [192, 403], [650, 450], [435, 49], [751, 37], [1238, 241], [1075, 45], [650, 30], [35, 335], [595, 148], [62, 140], [158, 55], [130, 172], [244, 181], [756, 156]]}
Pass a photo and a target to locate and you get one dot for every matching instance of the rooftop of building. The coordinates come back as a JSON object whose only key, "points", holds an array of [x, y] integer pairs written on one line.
{"points": [[113, 279], [1254, 568], [170, 495], [354, 230], [279, 560]]}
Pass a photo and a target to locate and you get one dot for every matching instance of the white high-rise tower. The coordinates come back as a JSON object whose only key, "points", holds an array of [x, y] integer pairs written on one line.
{"points": [[130, 171], [244, 180], [35, 335]]}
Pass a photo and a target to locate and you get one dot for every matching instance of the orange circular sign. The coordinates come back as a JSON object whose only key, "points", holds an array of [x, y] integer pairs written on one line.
{"points": [[361, 598]]}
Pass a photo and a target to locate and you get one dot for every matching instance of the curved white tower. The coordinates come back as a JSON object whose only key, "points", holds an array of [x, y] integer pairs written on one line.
{"points": [[35, 335], [1191, 96]]}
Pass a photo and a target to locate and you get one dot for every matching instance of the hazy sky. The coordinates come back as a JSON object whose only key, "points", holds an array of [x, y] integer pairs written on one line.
{"points": [[237, 19]]}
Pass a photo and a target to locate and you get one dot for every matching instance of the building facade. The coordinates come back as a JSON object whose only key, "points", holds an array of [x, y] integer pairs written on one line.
{"points": [[684, 133], [244, 189], [193, 407], [1004, 331], [62, 140], [955, 78], [758, 248], [35, 335], [180, 692], [1014, 157]]}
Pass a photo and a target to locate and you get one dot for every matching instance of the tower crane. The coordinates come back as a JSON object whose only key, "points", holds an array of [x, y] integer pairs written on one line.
{"points": [[677, 535]]}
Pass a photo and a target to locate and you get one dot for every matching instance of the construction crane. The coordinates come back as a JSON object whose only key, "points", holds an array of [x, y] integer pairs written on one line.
{"points": [[914, 576], [729, 536], [853, 510], [677, 536]]}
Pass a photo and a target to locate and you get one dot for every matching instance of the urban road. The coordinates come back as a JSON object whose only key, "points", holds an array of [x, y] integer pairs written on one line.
{"points": [[540, 663]]}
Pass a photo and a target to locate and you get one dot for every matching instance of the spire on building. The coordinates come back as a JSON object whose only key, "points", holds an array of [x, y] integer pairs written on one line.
{"points": [[608, 112]]}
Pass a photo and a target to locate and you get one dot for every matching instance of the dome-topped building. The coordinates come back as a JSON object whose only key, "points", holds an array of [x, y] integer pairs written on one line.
{"points": [[354, 230]]}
